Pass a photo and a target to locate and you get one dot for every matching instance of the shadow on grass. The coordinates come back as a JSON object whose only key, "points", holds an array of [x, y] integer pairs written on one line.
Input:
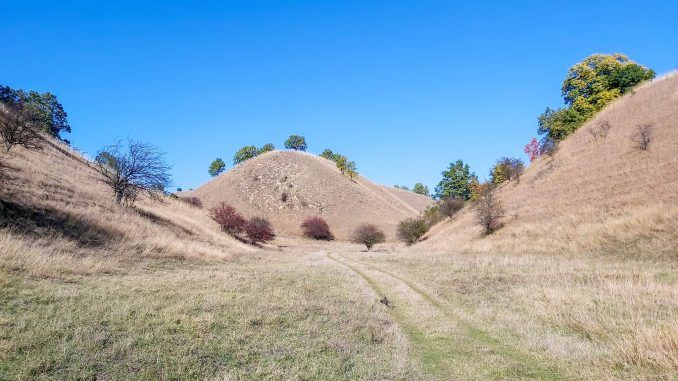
{"points": [[37, 221]]}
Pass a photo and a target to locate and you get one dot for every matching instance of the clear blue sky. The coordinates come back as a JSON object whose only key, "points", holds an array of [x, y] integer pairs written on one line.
{"points": [[402, 88]]}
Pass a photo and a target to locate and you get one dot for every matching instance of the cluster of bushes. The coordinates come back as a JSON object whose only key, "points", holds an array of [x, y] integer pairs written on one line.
{"points": [[257, 229], [589, 86], [346, 167]]}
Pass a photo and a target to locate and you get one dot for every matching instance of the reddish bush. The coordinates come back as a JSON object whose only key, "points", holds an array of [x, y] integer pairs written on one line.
{"points": [[532, 149], [368, 235], [192, 201], [258, 229], [317, 228], [228, 218]]}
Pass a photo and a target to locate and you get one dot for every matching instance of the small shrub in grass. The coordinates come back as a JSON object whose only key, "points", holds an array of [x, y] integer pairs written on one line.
{"points": [[642, 137], [368, 235], [317, 228], [258, 229], [412, 229], [449, 206], [192, 201], [228, 218], [489, 210]]}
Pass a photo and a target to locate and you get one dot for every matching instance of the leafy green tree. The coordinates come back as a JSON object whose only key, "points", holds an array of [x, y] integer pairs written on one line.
{"points": [[329, 155], [589, 86], [266, 148], [456, 181], [245, 153], [296, 142], [45, 109], [420, 188], [216, 167], [351, 169], [507, 168]]}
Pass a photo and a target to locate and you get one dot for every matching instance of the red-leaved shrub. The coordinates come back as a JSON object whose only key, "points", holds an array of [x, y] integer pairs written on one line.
{"points": [[317, 228], [258, 229], [228, 218], [532, 149]]}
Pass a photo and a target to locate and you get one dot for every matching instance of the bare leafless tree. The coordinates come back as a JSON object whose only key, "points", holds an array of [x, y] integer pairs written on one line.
{"points": [[132, 170], [600, 129], [18, 127], [489, 210], [643, 136]]}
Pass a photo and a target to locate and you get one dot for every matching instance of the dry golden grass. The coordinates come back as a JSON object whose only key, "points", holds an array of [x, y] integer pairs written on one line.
{"points": [[595, 193], [581, 283]]}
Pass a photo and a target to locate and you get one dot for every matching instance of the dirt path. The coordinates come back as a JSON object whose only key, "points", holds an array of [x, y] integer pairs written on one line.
{"points": [[447, 346]]}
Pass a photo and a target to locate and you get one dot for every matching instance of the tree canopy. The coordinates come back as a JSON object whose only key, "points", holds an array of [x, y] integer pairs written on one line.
{"points": [[589, 86], [45, 109], [296, 142], [216, 167], [420, 188], [456, 182], [245, 153]]}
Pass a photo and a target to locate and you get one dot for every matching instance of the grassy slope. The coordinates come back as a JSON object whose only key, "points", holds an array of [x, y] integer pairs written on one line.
{"points": [[89, 289], [594, 193]]}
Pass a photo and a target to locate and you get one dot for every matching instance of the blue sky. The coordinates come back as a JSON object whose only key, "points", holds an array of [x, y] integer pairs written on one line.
{"points": [[401, 87]]}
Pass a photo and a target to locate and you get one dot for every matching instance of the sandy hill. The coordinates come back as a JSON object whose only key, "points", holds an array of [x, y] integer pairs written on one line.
{"points": [[594, 192], [288, 186]]}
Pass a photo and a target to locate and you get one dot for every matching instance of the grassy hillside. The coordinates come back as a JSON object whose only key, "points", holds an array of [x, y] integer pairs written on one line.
{"points": [[595, 193], [288, 186], [581, 283]]}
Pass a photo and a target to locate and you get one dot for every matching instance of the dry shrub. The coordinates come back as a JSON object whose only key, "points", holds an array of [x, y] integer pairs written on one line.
{"points": [[18, 127], [317, 228], [258, 229], [228, 218], [368, 235], [412, 229], [192, 201], [642, 137], [449, 206], [600, 129], [489, 210]]}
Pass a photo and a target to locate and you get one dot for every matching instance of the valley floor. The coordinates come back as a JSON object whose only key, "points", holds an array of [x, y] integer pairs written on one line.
{"points": [[314, 312]]}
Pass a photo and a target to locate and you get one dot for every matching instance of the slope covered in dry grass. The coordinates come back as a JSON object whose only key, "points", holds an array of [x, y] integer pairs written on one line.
{"points": [[288, 186], [581, 283], [595, 192]]}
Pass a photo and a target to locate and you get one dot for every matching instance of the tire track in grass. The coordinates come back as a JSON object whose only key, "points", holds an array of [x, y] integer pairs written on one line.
{"points": [[448, 346]]}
